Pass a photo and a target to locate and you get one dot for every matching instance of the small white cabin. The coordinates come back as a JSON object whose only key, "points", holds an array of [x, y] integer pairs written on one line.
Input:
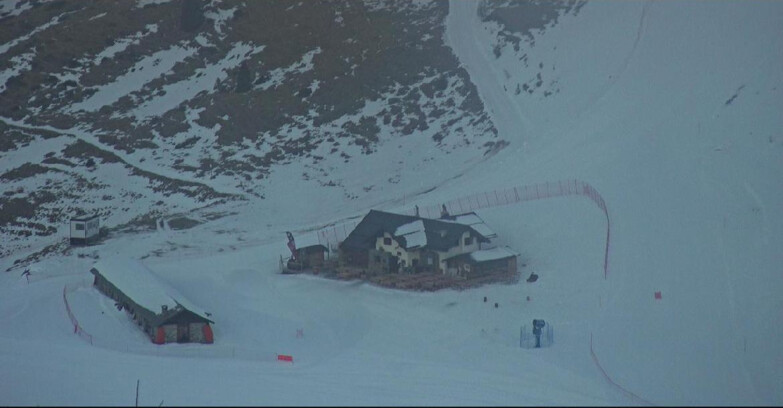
{"points": [[84, 230]]}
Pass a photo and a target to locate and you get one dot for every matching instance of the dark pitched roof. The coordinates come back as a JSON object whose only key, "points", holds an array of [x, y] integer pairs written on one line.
{"points": [[145, 288], [441, 235], [473, 219]]}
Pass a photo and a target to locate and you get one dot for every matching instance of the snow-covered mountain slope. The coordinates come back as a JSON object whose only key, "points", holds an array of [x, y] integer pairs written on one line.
{"points": [[197, 103], [670, 109]]}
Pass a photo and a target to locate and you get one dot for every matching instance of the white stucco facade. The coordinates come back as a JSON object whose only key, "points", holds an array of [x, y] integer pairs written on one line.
{"points": [[387, 243]]}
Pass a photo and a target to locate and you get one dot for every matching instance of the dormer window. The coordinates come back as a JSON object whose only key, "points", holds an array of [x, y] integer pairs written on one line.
{"points": [[468, 241]]}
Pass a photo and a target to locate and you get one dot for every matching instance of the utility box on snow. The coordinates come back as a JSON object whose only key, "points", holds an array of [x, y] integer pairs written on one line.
{"points": [[85, 230]]}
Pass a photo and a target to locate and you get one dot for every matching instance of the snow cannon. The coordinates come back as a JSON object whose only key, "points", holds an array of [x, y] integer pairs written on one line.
{"points": [[538, 324], [543, 335]]}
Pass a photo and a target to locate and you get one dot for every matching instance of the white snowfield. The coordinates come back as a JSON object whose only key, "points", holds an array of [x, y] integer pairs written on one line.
{"points": [[671, 110]]}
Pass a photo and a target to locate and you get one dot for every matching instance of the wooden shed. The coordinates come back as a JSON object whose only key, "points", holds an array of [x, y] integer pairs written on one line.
{"points": [[84, 230], [310, 253], [312, 256], [159, 309], [499, 260]]}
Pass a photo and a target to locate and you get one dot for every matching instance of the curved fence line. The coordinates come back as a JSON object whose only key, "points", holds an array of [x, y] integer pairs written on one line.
{"points": [[609, 379], [77, 329], [333, 235]]}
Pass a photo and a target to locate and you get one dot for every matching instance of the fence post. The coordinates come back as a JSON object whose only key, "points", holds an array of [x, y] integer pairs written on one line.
{"points": [[521, 331], [606, 251]]}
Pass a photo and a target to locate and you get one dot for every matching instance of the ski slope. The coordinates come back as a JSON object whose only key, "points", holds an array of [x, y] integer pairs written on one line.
{"points": [[691, 176], [670, 109]]}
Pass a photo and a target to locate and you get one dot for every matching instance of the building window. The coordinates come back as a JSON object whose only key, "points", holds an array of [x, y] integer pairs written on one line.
{"points": [[79, 227], [429, 260], [386, 241], [468, 241], [399, 253]]}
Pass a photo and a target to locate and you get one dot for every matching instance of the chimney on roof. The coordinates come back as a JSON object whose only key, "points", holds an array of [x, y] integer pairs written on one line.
{"points": [[444, 213], [164, 308]]}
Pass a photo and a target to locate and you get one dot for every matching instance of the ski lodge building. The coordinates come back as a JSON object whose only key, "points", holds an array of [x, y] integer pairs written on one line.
{"points": [[159, 309], [385, 242]]}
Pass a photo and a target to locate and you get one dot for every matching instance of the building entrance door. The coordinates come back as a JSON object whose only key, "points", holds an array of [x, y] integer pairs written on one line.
{"points": [[393, 264], [183, 333]]}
